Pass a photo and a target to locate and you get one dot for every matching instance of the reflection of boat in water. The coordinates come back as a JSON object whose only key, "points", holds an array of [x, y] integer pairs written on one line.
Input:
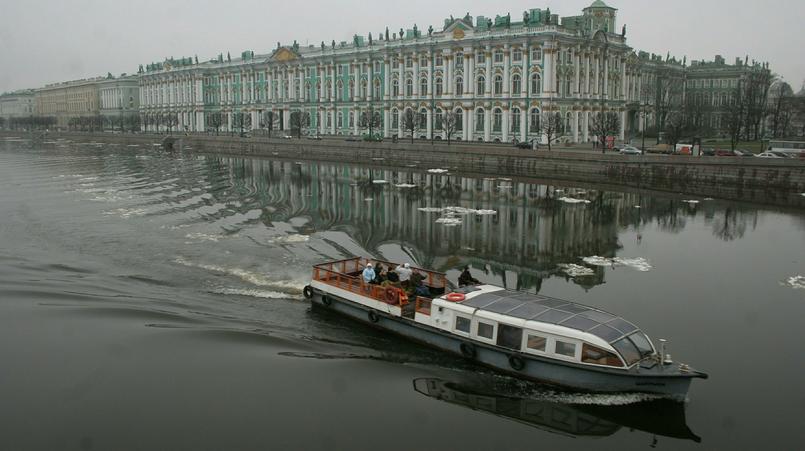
{"points": [[532, 336], [659, 417]]}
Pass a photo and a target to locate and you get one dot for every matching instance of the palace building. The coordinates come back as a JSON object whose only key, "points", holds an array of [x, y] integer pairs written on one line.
{"points": [[499, 77]]}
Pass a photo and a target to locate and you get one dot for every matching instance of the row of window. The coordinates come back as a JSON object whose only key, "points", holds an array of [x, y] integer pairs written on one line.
{"points": [[517, 339], [480, 58]]}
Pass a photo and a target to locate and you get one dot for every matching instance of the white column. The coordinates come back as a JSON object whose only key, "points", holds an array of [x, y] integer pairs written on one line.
{"points": [[386, 123], [548, 70], [606, 77], [356, 116], [506, 69], [448, 74], [416, 74], [468, 72], [487, 124], [505, 124], [525, 76], [523, 124], [332, 120], [386, 79], [622, 134], [465, 119], [488, 76], [429, 127], [586, 127], [575, 126], [623, 79]]}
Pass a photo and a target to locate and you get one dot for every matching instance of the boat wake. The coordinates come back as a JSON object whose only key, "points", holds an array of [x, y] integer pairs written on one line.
{"points": [[285, 286], [251, 292]]}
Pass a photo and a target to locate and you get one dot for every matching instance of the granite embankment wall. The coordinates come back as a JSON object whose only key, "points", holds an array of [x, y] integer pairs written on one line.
{"points": [[773, 181]]}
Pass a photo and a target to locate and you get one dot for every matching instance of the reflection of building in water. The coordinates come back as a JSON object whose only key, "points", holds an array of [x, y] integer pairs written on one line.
{"points": [[660, 417], [522, 244]]}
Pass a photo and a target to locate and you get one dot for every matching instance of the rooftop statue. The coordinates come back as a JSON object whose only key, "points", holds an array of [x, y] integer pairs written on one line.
{"points": [[387, 33], [623, 31], [468, 18], [430, 30], [333, 44], [370, 38], [322, 46], [402, 34], [525, 17]]}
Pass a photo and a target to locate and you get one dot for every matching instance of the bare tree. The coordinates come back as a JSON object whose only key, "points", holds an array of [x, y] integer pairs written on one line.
{"points": [[410, 122], [551, 127], [603, 125], [668, 96], [215, 120], [268, 119], [675, 126], [735, 115], [781, 109], [169, 120], [450, 124], [370, 120], [299, 120]]}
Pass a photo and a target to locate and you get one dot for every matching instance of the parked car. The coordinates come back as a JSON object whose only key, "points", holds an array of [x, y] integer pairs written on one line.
{"points": [[630, 150], [725, 153], [287, 137], [768, 155], [524, 145]]}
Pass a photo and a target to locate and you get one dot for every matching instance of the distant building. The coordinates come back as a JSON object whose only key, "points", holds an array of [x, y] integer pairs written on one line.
{"points": [[17, 104], [119, 96], [70, 99]]}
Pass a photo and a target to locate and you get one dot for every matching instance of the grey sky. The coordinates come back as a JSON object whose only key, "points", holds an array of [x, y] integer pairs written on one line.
{"points": [[45, 41]]}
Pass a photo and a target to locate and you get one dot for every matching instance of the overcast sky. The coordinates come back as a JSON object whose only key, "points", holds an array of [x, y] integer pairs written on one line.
{"points": [[45, 41]]}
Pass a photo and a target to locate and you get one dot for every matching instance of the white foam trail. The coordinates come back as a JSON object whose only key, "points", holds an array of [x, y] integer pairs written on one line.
{"points": [[691, 202], [262, 294], [405, 185], [126, 212], [288, 286], [438, 171], [380, 182], [571, 200], [449, 221]]}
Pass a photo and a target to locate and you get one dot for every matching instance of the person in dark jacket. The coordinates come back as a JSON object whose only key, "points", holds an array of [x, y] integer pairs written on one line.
{"points": [[466, 278]]}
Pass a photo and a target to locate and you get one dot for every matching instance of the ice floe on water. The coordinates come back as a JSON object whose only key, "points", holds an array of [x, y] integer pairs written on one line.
{"points": [[380, 182], [574, 270], [691, 202], [572, 200], [198, 236], [405, 185], [290, 239], [639, 263], [368, 199], [638, 206], [438, 171], [803, 194], [430, 210], [457, 211], [795, 282], [449, 221]]}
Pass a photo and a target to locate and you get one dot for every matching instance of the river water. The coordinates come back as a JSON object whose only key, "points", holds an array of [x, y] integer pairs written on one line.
{"points": [[153, 301]]}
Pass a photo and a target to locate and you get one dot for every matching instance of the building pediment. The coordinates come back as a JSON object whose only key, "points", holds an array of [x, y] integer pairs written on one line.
{"points": [[459, 29], [284, 54]]}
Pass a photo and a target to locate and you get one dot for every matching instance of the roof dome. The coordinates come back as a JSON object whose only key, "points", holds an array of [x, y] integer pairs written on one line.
{"points": [[599, 4]]}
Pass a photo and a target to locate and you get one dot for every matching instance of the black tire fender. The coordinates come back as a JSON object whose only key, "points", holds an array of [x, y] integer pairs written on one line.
{"points": [[468, 350], [308, 292], [516, 362], [326, 300], [373, 316]]}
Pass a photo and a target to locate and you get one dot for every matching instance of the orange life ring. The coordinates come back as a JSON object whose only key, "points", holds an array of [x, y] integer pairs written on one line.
{"points": [[392, 295], [455, 297]]}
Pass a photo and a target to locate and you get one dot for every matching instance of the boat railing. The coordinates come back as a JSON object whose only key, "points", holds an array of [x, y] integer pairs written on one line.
{"points": [[346, 274]]}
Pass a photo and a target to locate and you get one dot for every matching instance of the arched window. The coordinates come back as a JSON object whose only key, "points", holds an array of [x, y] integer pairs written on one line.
{"points": [[409, 87], [437, 120], [423, 87], [459, 86], [515, 126], [339, 90], [340, 121], [364, 91], [498, 84], [423, 118], [329, 89], [395, 119], [516, 85], [438, 86], [568, 122], [378, 119], [479, 120], [536, 84], [459, 120], [352, 118], [534, 124], [376, 94], [351, 89], [395, 88], [497, 120], [481, 85]]}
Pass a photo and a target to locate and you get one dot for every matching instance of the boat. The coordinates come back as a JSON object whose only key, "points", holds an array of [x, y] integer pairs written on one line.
{"points": [[527, 335]]}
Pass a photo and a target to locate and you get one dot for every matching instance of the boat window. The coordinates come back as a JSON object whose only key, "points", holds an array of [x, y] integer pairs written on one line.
{"points": [[485, 330], [627, 350], [462, 324], [598, 356], [510, 337], [566, 349], [643, 345], [536, 343]]}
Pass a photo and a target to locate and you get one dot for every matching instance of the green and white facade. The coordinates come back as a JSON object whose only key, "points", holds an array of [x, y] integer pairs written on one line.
{"points": [[498, 75]]}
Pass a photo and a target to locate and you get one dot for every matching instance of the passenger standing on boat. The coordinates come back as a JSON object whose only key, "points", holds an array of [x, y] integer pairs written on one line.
{"points": [[368, 273], [380, 274], [466, 278], [404, 272]]}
